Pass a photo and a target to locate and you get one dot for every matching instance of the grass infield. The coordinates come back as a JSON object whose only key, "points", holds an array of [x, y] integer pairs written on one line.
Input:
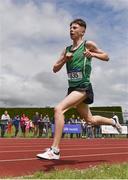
{"points": [[105, 171]]}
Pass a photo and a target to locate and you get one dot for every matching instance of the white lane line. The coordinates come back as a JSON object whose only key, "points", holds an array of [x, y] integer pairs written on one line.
{"points": [[15, 160], [84, 145], [92, 155], [65, 157], [17, 146], [63, 149]]}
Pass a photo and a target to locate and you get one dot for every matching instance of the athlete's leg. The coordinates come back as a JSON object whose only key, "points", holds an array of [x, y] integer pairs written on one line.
{"points": [[85, 112], [71, 100]]}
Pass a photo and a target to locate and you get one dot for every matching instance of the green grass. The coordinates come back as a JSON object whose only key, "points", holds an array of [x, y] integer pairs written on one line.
{"points": [[118, 171]]}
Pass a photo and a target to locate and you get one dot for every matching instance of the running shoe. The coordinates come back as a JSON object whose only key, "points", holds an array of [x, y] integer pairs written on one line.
{"points": [[49, 154], [117, 125]]}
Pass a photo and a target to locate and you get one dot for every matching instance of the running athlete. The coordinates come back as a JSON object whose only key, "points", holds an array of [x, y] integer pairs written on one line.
{"points": [[77, 58]]}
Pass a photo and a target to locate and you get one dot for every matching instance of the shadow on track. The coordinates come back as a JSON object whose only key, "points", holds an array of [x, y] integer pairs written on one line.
{"points": [[50, 165]]}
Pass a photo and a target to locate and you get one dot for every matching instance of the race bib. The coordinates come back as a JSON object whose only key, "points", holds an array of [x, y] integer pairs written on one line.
{"points": [[75, 75]]}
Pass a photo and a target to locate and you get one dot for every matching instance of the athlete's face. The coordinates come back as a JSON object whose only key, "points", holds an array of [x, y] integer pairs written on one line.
{"points": [[76, 31]]}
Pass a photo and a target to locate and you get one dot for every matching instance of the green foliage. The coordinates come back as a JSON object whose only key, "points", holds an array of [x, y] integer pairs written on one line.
{"points": [[108, 111], [28, 111], [103, 111]]}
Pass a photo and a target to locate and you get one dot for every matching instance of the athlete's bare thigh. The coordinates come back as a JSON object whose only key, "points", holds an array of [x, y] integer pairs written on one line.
{"points": [[71, 100], [84, 111]]}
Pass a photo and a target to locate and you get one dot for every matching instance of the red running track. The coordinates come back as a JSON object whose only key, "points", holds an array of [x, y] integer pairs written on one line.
{"points": [[18, 156]]}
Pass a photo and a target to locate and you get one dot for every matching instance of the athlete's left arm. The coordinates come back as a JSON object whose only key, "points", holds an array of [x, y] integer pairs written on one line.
{"points": [[93, 51]]}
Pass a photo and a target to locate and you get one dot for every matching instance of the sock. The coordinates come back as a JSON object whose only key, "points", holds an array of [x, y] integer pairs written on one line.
{"points": [[55, 150], [114, 122]]}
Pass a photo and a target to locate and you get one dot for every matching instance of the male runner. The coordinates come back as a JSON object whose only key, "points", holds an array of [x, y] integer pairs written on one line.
{"points": [[77, 58]]}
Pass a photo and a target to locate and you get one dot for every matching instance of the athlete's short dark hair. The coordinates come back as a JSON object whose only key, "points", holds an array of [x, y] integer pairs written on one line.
{"points": [[81, 22]]}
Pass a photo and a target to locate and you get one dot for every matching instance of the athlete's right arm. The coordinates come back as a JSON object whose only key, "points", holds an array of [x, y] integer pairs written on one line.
{"points": [[64, 57]]}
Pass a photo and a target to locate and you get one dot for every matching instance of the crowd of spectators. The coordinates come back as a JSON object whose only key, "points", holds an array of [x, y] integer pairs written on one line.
{"points": [[40, 126], [37, 126], [88, 131]]}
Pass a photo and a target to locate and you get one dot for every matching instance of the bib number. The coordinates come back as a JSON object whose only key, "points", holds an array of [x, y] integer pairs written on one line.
{"points": [[75, 76]]}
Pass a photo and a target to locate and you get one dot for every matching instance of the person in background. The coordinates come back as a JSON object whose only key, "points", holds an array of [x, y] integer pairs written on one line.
{"points": [[97, 131], [9, 127], [90, 131], [35, 120], [16, 123], [46, 120], [31, 128], [41, 125], [23, 123], [27, 125], [84, 128], [5, 118], [72, 121], [78, 135]]}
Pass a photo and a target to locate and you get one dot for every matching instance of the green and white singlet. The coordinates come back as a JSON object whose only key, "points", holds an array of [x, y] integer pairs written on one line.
{"points": [[78, 68]]}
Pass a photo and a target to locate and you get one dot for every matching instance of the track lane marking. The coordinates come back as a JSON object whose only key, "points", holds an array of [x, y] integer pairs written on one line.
{"points": [[85, 145], [63, 149], [65, 157]]}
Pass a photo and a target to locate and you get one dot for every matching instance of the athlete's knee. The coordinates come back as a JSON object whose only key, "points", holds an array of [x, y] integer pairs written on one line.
{"points": [[58, 109], [91, 120]]}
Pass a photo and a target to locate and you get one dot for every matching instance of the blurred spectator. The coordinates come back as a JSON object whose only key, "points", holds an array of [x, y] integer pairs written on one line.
{"points": [[90, 132], [84, 128], [46, 120], [78, 121], [31, 127], [16, 122], [9, 127], [97, 131], [35, 121], [23, 122], [27, 125], [72, 121], [5, 118], [41, 125]]}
